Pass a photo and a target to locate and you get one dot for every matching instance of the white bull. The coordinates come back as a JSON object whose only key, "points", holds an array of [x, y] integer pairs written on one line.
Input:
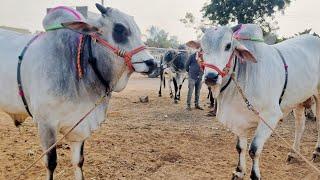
{"points": [[56, 96], [261, 75]]}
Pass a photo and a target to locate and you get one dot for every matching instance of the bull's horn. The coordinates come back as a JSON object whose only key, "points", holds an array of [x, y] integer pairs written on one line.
{"points": [[236, 28], [102, 9]]}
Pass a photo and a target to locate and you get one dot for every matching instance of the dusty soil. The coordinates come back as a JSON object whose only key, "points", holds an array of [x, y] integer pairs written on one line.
{"points": [[156, 140]]}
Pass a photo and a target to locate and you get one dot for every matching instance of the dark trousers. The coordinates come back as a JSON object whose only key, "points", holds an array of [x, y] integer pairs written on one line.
{"points": [[194, 84]]}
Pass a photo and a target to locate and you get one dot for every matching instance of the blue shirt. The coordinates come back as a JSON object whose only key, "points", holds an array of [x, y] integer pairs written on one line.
{"points": [[194, 70]]}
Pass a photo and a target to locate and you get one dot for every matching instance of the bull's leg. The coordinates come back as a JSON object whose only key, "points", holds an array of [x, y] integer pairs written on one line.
{"points": [[212, 100], [48, 137], [316, 153], [160, 94], [313, 112], [262, 134], [180, 87], [170, 88], [179, 92], [300, 125], [161, 80], [175, 90], [77, 159], [241, 168]]}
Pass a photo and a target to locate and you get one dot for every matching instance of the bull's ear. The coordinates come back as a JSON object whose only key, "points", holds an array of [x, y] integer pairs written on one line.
{"points": [[81, 27], [194, 44], [204, 29], [242, 52]]}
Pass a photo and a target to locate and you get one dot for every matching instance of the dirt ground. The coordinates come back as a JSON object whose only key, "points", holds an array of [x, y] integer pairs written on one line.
{"points": [[156, 140]]}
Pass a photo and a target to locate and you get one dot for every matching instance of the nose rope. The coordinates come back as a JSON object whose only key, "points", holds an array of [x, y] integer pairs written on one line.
{"points": [[126, 55], [225, 70]]}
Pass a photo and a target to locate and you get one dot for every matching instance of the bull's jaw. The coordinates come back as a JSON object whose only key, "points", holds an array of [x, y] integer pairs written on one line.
{"points": [[122, 82]]}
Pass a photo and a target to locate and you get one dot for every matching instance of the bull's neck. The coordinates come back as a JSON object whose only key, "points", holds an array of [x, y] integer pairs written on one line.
{"points": [[67, 82], [242, 74], [228, 88]]}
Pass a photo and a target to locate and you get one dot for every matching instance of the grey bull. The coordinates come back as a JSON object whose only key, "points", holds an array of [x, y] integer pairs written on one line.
{"points": [[173, 70], [56, 96]]}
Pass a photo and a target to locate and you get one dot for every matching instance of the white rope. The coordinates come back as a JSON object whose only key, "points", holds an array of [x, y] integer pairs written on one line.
{"points": [[168, 49], [99, 102]]}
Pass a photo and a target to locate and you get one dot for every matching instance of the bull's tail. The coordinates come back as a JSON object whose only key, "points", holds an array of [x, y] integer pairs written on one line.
{"points": [[164, 81]]}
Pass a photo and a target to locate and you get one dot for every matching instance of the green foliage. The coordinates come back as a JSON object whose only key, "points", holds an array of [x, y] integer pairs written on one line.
{"points": [[191, 22], [157, 37], [188, 19], [245, 11]]}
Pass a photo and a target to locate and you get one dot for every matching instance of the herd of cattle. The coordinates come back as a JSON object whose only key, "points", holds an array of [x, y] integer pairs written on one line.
{"points": [[76, 61]]}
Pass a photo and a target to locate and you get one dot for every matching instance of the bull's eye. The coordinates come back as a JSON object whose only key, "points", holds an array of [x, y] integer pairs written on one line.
{"points": [[120, 33], [228, 46]]}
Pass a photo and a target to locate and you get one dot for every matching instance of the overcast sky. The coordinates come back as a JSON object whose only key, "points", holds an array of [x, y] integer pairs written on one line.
{"points": [[28, 14]]}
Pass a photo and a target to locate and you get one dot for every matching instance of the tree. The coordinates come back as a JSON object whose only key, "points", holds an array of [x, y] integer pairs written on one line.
{"points": [[157, 37], [245, 11], [193, 23]]}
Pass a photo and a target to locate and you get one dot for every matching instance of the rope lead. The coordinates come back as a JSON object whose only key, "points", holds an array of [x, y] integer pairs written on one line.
{"points": [[251, 108]]}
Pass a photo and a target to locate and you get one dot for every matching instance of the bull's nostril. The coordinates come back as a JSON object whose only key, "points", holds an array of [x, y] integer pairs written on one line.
{"points": [[152, 65], [150, 62]]}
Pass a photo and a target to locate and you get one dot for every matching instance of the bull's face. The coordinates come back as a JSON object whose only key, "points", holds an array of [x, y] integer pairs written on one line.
{"points": [[219, 46], [121, 30], [170, 56]]}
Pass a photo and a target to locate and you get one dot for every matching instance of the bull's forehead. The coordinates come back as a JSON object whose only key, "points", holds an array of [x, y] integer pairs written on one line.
{"points": [[170, 54], [215, 38], [125, 19]]}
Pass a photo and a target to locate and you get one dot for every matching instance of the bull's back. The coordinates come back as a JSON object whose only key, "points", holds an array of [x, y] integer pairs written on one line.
{"points": [[11, 45], [302, 54]]}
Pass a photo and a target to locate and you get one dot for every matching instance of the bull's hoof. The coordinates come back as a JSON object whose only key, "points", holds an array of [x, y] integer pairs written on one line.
{"points": [[176, 101], [254, 176], [316, 156], [310, 115], [237, 176], [159, 95], [292, 158]]}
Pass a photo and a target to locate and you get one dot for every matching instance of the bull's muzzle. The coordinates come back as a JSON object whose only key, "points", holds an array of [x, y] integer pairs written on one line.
{"points": [[152, 65], [211, 79]]}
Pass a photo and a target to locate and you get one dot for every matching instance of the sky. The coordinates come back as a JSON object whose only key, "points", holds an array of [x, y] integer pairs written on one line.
{"points": [[28, 14]]}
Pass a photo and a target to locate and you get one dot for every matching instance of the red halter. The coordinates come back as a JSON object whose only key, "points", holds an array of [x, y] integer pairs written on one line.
{"points": [[225, 70], [127, 56]]}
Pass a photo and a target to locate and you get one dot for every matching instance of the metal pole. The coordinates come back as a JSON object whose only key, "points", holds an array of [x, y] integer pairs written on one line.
{"points": [[102, 2]]}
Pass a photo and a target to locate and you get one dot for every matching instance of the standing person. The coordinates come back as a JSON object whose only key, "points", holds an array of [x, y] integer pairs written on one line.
{"points": [[195, 72]]}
